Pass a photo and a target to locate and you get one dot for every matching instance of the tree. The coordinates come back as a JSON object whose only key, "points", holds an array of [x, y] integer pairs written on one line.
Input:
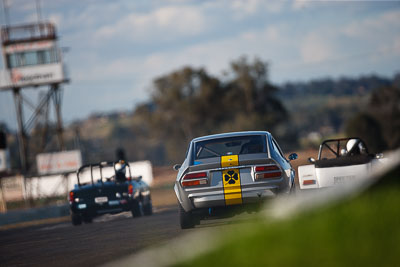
{"points": [[369, 130], [384, 107], [380, 122], [189, 102], [254, 102], [252, 98]]}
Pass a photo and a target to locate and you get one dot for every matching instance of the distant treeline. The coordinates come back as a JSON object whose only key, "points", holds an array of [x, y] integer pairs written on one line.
{"points": [[340, 87], [367, 107]]}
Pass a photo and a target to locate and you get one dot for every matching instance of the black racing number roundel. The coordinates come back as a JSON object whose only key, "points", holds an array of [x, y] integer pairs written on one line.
{"points": [[231, 177]]}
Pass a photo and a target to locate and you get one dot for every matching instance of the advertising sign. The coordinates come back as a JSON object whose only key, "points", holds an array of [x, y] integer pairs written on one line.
{"points": [[21, 47], [49, 73], [32, 75], [59, 162], [13, 188]]}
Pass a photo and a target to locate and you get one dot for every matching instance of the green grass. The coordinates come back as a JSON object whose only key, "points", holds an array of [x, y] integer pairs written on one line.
{"points": [[363, 231]]}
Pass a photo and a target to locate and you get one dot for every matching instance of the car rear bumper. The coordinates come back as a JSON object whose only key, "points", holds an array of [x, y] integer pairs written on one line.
{"points": [[217, 199], [94, 209], [201, 198]]}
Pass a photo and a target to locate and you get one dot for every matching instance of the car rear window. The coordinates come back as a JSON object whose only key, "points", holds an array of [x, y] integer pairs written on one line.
{"points": [[237, 145]]}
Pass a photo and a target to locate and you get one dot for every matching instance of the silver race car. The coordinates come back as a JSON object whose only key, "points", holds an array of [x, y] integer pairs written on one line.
{"points": [[230, 169], [339, 161]]}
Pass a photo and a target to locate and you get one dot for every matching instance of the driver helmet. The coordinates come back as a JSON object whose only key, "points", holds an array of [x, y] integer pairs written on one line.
{"points": [[355, 146], [120, 169], [362, 148], [343, 152]]}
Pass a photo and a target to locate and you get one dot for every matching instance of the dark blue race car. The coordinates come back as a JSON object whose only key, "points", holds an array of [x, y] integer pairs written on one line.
{"points": [[114, 194]]}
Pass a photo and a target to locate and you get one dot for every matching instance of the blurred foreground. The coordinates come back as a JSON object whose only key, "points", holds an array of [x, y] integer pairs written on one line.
{"points": [[361, 231], [353, 225]]}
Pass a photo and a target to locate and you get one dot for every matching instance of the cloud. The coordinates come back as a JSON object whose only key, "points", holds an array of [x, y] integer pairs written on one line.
{"points": [[56, 19], [315, 48], [87, 18], [301, 4], [377, 25], [102, 70], [214, 55], [379, 32], [372, 37], [165, 23], [246, 8], [396, 46]]}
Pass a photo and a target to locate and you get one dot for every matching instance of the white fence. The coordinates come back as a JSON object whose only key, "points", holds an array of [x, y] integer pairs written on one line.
{"points": [[58, 162]]}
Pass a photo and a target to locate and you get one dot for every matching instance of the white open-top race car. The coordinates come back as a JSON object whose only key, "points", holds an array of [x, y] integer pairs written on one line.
{"points": [[339, 161]]}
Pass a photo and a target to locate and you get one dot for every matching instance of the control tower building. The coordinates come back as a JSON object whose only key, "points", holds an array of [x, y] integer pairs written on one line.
{"points": [[32, 59]]}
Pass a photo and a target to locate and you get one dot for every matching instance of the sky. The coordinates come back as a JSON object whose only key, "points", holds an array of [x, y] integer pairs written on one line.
{"points": [[117, 48]]}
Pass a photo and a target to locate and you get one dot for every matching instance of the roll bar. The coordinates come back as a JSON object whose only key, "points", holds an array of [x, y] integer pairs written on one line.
{"points": [[336, 150], [100, 165]]}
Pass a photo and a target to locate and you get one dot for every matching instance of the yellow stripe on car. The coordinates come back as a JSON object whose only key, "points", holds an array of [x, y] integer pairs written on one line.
{"points": [[229, 161], [231, 180]]}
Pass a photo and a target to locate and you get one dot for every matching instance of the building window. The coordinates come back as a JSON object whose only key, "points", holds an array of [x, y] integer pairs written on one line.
{"points": [[31, 58]]}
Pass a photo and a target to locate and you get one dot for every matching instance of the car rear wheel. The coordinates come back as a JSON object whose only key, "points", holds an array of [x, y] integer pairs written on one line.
{"points": [[76, 219], [136, 211], [87, 219], [148, 208], [293, 189], [186, 219]]}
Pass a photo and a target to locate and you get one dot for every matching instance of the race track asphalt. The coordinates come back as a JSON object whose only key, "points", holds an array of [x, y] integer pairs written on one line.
{"points": [[108, 238]]}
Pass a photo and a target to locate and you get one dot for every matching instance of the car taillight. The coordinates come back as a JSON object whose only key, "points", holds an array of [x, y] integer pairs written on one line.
{"points": [[196, 175], [71, 196], [267, 168], [192, 179], [267, 172], [308, 182], [130, 189]]}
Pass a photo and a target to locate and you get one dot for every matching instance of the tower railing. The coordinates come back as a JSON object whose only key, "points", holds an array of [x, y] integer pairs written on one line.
{"points": [[28, 33]]}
